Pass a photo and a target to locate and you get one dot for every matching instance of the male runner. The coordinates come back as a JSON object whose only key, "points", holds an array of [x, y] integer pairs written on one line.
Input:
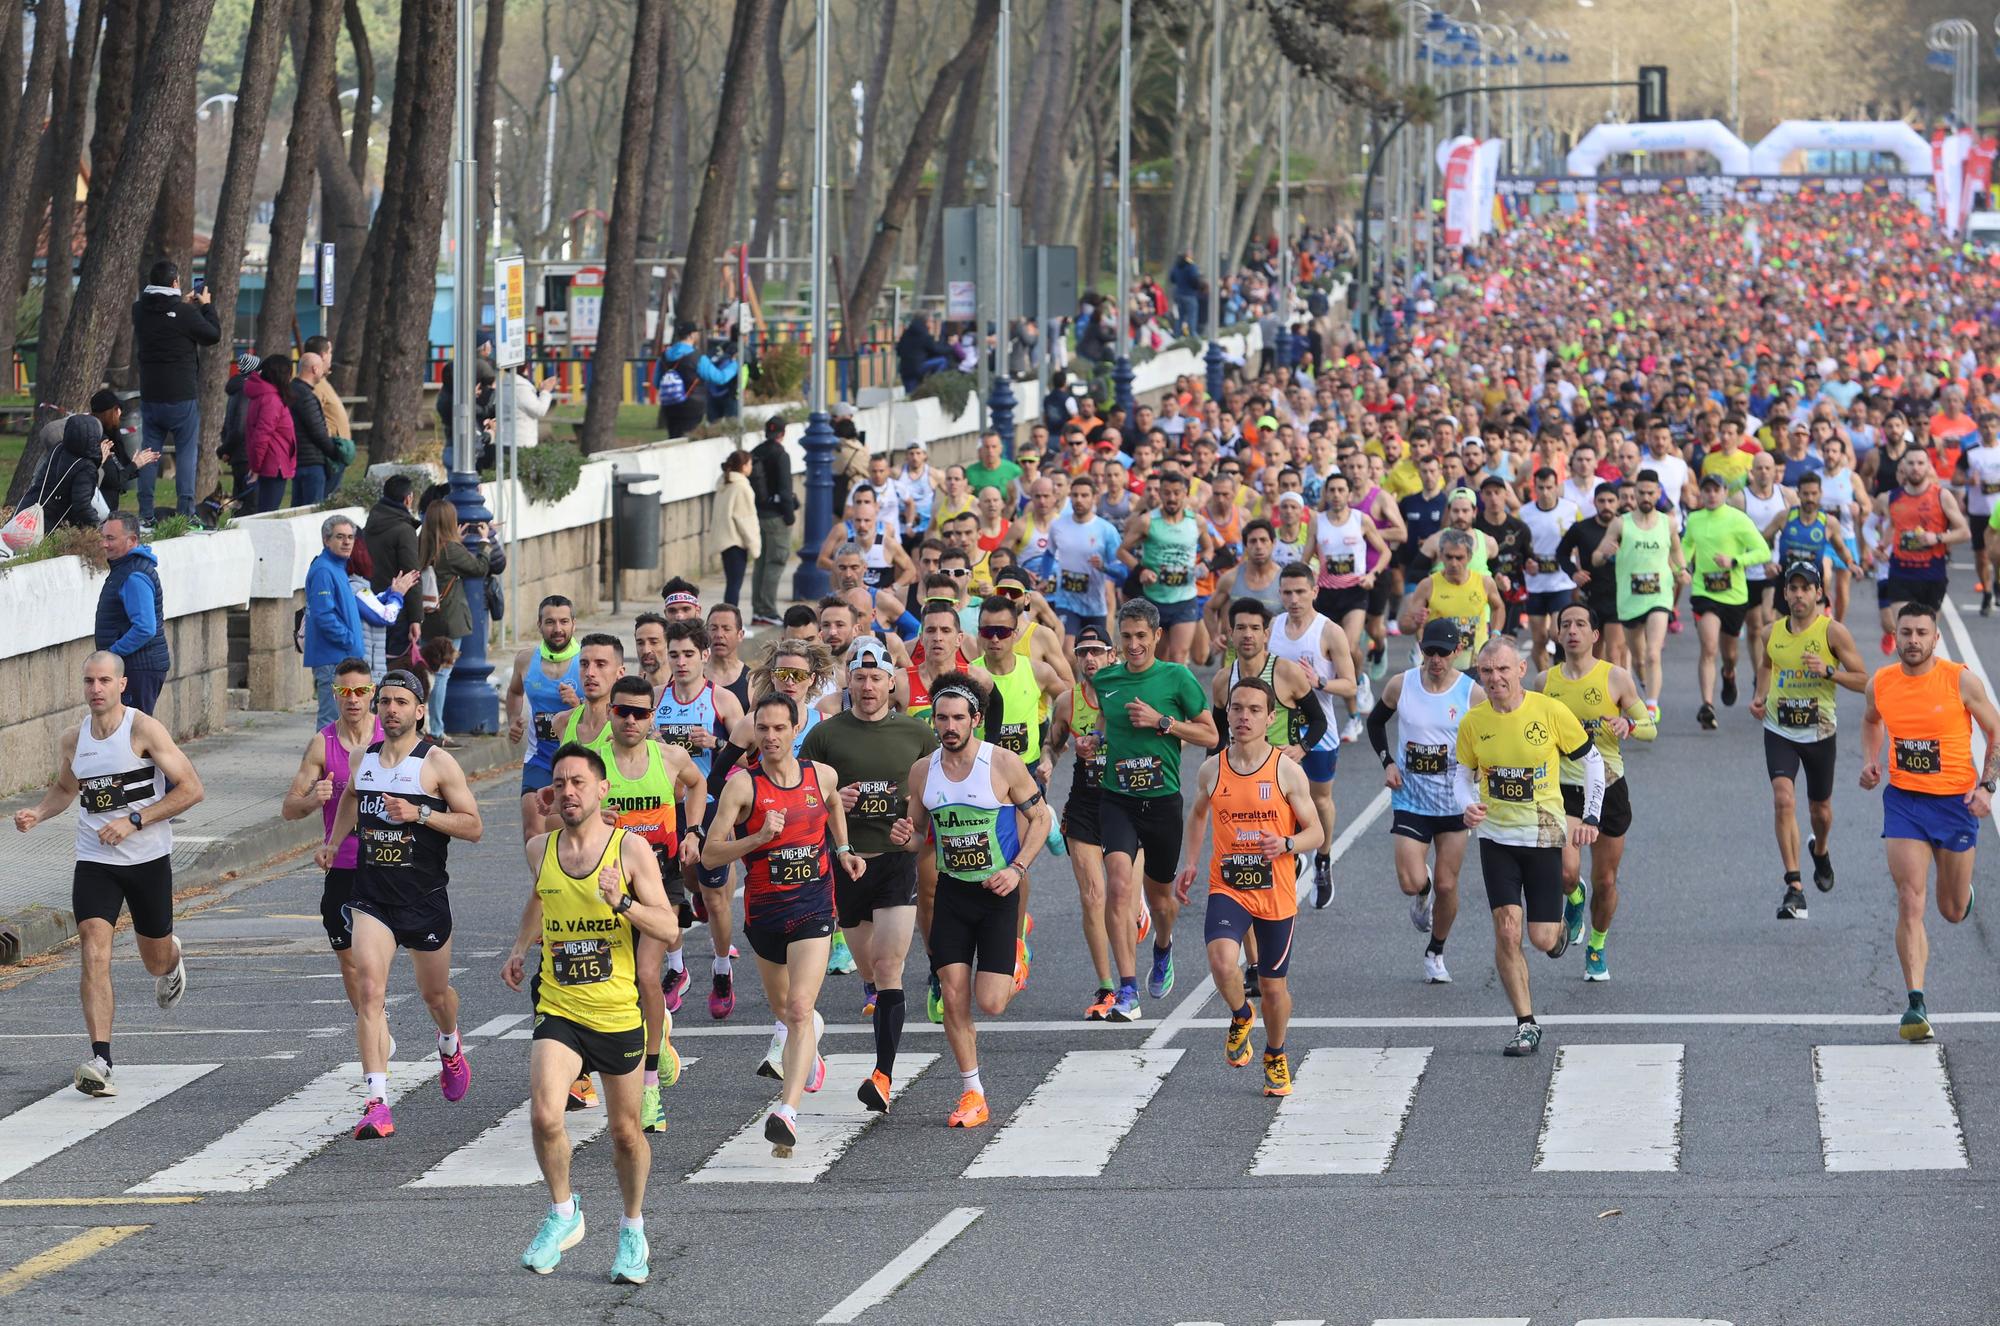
{"points": [[1605, 700], [1085, 545], [1548, 518], [1765, 501], [600, 661], [1348, 544], [725, 666], [1508, 776], [1458, 594], [870, 747], [1318, 645], [1650, 570], [1078, 721], [544, 685], [129, 780], [1925, 707], [1980, 465], [975, 801], [649, 641], [596, 889], [1019, 687], [1720, 541], [1924, 522], [1168, 550], [1805, 656], [1427, 807], [407, 801], [1598, 588]]}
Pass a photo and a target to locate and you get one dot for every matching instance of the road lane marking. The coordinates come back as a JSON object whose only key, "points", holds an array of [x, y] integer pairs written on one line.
{"points": [[497, 1025], [902, 1267], [35, 1202], [1886, 1107], [1345, 1114], [272, 1143], [1074, 1120], [1653, 1321], [1613, 1108], [1452, 1321], [63, 1118], [830, 1120], [1970, 657], [65, 1254]]}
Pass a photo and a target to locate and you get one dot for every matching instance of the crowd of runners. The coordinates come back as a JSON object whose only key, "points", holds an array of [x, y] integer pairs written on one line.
{"points": [[1461, 550]]}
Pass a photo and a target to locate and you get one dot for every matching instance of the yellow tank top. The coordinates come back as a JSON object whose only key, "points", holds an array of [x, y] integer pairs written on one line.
{"points": [[1022, 648], [1589, 698], [1465, 606], [588, 974], [601, 743], [1800, 704]]}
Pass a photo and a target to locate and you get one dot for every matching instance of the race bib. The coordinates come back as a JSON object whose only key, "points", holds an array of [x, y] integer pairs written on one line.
{"points": [[1798, 713], [1175, 578], [968, 854], [682, 735], [1246, 872], [545, 727], [1340, 566], [1909, 542], [1918, 755], [1715, 582], [1646, 582], [1515, 785], [102, 796], [1990, 487], [1420, 759], [1140, 774], [877, 799], [793, 866], [387, 849], [580, 961], [1014, 737], [1075, 582]]}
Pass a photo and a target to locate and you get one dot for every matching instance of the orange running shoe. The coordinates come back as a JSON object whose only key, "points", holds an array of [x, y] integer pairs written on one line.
{"points": [[1020, 965], [1236, 1042], [582, 1095], [1100, 1004], [971, 1112], [874, 1091], [1145, 921]]}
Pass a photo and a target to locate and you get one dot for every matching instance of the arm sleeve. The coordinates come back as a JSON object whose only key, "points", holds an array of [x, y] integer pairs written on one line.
{"points": [[718, 773], [136, 596], [1114, 570], [1378, 730], [1593, 781], [1755, 547], [1463, 782], [1312, 719]]}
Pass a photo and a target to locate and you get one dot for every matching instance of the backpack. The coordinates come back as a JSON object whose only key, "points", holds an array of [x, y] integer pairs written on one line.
{"points": [[673, 388]]}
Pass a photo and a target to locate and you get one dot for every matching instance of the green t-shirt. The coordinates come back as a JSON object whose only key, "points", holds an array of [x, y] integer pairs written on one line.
{"points": [[1140, 762], [978, 476], [878, 756], [1727, 532]]}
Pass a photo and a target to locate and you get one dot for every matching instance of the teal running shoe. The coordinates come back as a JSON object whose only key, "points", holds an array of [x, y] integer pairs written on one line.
{"points": [[1593, 965], [630, 1266], [1574, 915], [1916, 1022], [558, 1234], [839, 959]]}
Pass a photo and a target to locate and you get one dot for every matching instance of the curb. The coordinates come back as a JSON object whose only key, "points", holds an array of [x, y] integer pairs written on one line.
{"points": [[41, 929]]}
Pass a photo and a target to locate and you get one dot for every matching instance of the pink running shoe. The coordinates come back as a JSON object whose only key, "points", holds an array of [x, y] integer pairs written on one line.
{"points": [[673, 985], [818, 1078], [454, 1075], [722, 997], [375, 1122]]}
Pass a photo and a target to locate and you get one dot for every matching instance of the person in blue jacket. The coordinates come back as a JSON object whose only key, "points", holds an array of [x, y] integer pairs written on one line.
{"points": [[332, 623]]}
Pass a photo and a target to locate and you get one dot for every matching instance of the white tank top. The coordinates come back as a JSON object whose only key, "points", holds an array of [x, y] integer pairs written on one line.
{"points": [[874, 555], [1304, 651], [1762, 511], [1427, 738], [1343, 550], [112, 782]]}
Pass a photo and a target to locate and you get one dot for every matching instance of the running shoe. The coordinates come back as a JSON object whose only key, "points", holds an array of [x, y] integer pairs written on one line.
{"points": [[772, 1065], [630, 1266], [1706, 717], [1125, 1008], [1322, 882], [1422, 908], [168, 989], [1728, 687], [1653, 711], [558, 1234], [839, 959], [1563, 940], [652, 1119], [1674, 623], [1793, 908], [1352, 730], [1822, 866], [1253, 988], [1393, 628], [1434, 969], [1058, 846], [934, 1000], [1145, 919], [818, 1078], [1020, 965], [1100, 1005], [1527, 1039], [670, 1060], [971, 1112], [1888, 643], [1160, 983], [1593, 965], [1277, 1074], [1028, 933], [93, 1077], [1916, 1023], [454, 1075], [1236, 1041], [376, 1122], [582, 1095], [874, 1091], [721, 997], [674, 986], [1574, 915], [1985, 603], [868, 999]]}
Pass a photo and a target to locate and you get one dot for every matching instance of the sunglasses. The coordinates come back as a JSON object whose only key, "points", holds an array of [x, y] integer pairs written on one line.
{"points": [[958, 573], [995, 631], [795, 676], [1439, 653], [631, 711], [1014, 592], [352, 692]]}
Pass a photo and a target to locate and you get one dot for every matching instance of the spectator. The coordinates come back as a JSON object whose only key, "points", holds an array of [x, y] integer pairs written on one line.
{"points": [[530, 405], [332, 626], [684, 400], [1024, 349], [131, 612], [234, 449], [391, 536], [1185, 280], [268, 434], [378, 611], [317, 457], [1097, 342], [777, 506], [338, 425], [82, 473], [850, 454], [733, 524], [721, 370], [167, 334], [919, 352], [441, 550]]}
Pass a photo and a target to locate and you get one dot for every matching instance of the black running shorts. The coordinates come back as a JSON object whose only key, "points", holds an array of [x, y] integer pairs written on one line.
{"points": [[1528, 877], [889, 880], [973, 926], [98, 889]]}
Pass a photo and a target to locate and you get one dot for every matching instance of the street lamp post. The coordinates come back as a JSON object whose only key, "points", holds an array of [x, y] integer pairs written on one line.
{"points": [[809, 582], [1735, 61], [1002, 400], [1214, 357], [1121, 371]]}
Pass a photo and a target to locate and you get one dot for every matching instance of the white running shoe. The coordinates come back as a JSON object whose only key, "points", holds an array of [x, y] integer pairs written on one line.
{"points": [[1421, 908], [168, 989], [93, 1077], [1434, 969], [773, 1065], [1356, 725]]}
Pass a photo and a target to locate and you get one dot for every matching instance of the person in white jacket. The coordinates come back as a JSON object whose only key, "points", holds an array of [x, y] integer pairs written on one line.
{"points": [[531, 405], [732, 524]]}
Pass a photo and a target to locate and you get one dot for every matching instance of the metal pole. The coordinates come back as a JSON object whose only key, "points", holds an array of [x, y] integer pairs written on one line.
{"points": [[809, 582], [1735, 73], [470, 702], [549, 152], [1121, 371], [1283, 298], [1215, 129], [1005, 238]]}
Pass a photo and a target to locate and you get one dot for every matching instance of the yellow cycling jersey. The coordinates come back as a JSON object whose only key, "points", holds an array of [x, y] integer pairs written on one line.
{"points": [[588, 975], [1515, 761]]}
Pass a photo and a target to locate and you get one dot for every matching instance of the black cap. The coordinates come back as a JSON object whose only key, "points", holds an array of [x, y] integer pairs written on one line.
{"points": [[1092, 634], [406, 679], [1440, 633], [104, 399], [1805, 571]]}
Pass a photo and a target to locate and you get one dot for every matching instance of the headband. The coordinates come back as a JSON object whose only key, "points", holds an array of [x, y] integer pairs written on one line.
{"points": [[962, 693], [679, 597]]}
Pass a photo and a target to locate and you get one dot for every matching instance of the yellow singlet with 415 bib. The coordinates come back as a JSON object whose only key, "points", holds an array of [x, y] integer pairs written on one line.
{"points": [[588, 973]]}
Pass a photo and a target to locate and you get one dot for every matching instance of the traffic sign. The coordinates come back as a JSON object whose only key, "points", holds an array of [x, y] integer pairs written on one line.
{"points": [[510, 311], [1652, 93], [323, 272], [586, 303]]}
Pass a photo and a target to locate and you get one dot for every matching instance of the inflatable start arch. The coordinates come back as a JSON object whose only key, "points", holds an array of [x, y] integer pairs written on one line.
{"points": [[1892, 136], [1710, 136]]}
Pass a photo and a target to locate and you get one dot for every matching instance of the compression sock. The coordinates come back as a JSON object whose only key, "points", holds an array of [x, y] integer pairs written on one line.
{"points": [[1596, 939], [1575, 897], [722, 964], [968, 1080], [888, 1030], [102, 1049]]}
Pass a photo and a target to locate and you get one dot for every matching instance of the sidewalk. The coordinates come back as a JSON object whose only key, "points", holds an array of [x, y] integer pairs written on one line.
{"points": [[245, 772]]}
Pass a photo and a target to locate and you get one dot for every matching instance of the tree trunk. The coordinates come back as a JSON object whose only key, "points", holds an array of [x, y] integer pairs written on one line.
{"points": [[653, 196], [59, 288], [13, 64], [104, 293], [1043, 168], [696, 302], [681, 151], [485, 106], [343, 179], [171, 235], [957, 77], [17, 170], [288, 222], [263, 51], [364, 82], [370, 288], [872, 136], [618, 318], [771, 155], [969, 89], [1031, 105]]}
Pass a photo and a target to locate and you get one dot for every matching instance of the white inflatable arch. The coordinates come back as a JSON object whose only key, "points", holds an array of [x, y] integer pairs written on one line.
{"points": [[1768, 157], [1710, 136]]}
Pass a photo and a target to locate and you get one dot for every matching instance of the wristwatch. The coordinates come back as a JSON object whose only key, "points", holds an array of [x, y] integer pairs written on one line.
{"points": [[1991, 785], [623, 905], [138, 820], [423, 816], [1591, 820], [1165, 725]]}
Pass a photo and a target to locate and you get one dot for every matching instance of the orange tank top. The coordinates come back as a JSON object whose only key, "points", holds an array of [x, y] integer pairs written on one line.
{"points": [[1244, 804], [1930, 729]]}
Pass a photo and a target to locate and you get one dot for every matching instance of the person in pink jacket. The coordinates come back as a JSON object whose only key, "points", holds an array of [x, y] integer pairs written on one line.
{"points": [[267, 429]]}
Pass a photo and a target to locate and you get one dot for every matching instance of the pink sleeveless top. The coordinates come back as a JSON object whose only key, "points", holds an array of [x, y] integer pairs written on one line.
{"points": [[337, 770]]}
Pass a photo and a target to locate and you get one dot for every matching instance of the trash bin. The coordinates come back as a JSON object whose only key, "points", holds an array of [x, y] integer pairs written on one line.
{"points": [[636, 520]]}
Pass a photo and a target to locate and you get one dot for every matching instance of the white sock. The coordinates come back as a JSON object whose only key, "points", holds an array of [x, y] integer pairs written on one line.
{"points": [[378, 1086], [789, 1113], [448, 1043], [632, 1222], [565, 1208], [779, 1030], [968, 1080], [674, 961], [722, 964]]}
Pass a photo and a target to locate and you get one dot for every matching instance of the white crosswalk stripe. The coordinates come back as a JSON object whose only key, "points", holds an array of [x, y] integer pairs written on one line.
{"points": [[1885, 1107], [1076, 1118], [1495, 1321], [269, 1145], [1613, 1107], [830, 1120], [1345, 1113], [63, 1118]]}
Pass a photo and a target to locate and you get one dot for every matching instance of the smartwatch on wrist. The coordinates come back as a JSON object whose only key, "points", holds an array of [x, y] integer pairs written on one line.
{"points": [[1591, 820], [1165, 725], [623, 905], [138, 820]]}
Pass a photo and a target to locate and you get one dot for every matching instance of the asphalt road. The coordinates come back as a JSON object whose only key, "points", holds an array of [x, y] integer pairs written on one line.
{"points": [[1701, 1172]]}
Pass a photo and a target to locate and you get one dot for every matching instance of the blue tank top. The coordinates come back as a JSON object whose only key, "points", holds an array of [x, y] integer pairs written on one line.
{"points": [[677, 723], [545, 702], [1800, 540], [806, 725]]}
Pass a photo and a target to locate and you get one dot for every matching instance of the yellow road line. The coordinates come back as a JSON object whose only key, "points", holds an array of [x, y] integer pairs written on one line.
{"points": [[67, 1253], [31, 1202]]}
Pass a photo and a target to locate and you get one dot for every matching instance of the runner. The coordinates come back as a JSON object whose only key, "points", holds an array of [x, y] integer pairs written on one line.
{"points": [[1319, 646], [1605, 700], [1805, 656], [976, 802], [1168, 550], [1596, 587], [1720, 542], [1086, 562], [1924, 706], [875, 535], [1809, 534], [1078, 721], [1150, 707], [1510, 784], [1457, 594], [1548, 518], [589, 879], [407, 801], [649, 640], [1980, 462], [1348, 543], [870, 748], [725, 667], [1651, 570], [1427, 805], [129, 780], [544, 684], [784, 809], [1257, 807], [1924, 523], [1765, 501]]}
